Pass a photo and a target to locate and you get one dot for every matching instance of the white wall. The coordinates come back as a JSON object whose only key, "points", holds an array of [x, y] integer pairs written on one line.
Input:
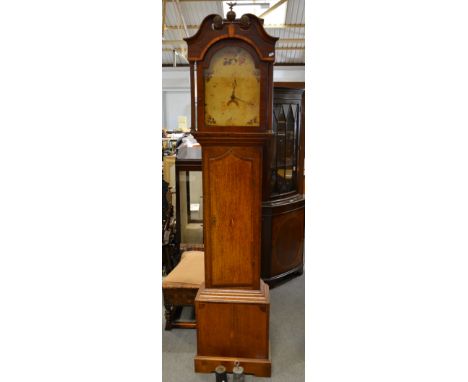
{"points": [[176, 90], [176, 102], [176, 78]]}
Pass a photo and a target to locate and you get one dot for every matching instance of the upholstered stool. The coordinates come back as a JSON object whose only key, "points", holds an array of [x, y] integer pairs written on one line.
{"points": [[180, 287]]}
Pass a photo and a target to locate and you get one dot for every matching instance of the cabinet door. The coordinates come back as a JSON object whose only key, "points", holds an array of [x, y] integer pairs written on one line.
{"points": [[232, 189], [287, 241]]}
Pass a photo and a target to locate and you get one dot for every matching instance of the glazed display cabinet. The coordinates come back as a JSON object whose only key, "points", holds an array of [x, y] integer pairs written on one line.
{"points": [[283, 199]]}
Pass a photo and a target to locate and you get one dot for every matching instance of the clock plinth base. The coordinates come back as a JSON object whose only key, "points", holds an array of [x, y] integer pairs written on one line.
{"points": [[233, 325], [257, 367]]}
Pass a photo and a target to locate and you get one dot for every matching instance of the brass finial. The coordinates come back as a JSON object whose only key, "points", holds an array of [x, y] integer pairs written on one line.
{"points": [[231, 15]]}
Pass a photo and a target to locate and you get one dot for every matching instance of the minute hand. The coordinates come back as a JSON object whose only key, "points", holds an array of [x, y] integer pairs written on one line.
{"points": [[239, 99]]}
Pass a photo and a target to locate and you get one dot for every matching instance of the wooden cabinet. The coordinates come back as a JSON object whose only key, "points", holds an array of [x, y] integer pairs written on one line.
{"points": [[283, 238], [283, 203]]}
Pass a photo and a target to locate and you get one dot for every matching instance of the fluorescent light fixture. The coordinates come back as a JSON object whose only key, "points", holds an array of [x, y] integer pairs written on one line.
{"points": [[277, 16]]}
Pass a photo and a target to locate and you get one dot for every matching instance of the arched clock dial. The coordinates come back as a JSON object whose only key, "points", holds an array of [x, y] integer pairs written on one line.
{"points": [[232, 89]]}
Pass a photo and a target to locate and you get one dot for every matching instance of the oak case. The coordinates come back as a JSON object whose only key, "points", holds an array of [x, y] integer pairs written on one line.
{"points": [[232, 306]]}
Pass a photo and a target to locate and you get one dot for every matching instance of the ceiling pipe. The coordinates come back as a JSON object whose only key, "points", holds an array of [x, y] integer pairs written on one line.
{"points": [[181, 18]]}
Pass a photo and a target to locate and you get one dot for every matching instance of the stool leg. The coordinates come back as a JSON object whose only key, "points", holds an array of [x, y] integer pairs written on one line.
{"points": [[169, 315]]}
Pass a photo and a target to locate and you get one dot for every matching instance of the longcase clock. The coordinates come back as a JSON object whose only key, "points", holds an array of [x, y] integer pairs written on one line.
{"points": [[231, 71]]}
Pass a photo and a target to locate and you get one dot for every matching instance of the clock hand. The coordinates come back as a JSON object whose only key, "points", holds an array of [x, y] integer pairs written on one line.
{"points": [[233, 100], [247, 102], [234, 84], [233, 94]]}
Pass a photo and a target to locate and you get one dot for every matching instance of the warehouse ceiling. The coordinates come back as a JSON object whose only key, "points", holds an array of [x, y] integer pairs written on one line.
{"points": [[283, 19]]}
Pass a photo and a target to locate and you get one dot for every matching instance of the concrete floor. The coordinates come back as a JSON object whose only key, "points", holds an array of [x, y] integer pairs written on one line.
{"points": [[286, 341]]}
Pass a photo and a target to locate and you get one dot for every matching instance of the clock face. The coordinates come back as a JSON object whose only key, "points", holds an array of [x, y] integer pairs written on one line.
{"points": [[232, 89]]}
